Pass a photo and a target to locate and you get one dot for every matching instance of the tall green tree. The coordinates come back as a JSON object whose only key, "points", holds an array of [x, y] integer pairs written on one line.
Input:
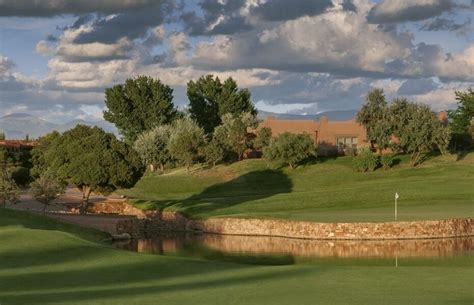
{"points": [[38, 153], [152, 146], [139, 105], [2, 136], [9, 190], [233, 132], [374, 116], [262, 139], [186, 141], [418, 129], [461, 119], [93, 161], [210, 99], [290, 148]]}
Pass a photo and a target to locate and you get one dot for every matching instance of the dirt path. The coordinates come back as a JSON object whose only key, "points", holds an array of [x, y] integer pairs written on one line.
{"points": [[60, 210]]}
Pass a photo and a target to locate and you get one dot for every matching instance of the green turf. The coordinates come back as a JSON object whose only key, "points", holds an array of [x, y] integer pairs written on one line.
{"points": [[328, 190], [41, 265]]}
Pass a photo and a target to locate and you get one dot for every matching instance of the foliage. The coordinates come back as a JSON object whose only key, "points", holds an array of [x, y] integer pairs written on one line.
{"points": [[21, 176], [2, 136], [210, 99], [47, 188], [8, 188], [374, 115], [365, 160], [461, 119], [418, 130], [262, 139], [290, 148], [233, 132], [212, 152], [350, 151], [387, 161], [38, 153], [152, 146], [139, 105], [186, 139], [92, 160]]}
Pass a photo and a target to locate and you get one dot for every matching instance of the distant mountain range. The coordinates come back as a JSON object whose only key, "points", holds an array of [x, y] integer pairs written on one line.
{"points": [[18, 125], [336, 115]]}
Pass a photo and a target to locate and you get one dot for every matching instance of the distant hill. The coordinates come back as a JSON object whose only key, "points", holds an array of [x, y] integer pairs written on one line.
{"points": [[336, 115], [18, 125]]}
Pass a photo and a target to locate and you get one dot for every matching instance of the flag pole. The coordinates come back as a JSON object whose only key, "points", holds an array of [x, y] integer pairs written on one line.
{"points": [[396, 198]]}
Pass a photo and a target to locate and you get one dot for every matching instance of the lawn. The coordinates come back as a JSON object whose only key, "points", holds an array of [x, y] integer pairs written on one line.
{"points": [[46, 262], [327, 190]]}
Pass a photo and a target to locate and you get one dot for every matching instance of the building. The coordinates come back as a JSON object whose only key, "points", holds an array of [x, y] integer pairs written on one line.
{"points": [[17, 144], [330, 136]]}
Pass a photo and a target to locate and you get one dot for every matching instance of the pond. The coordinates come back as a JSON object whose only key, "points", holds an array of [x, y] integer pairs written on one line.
{"points": [[263, 250]]}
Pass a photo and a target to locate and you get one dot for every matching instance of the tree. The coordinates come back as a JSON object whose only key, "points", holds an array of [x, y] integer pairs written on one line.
{"points": [[419, 131], [2, 136], [262, 139], [93, 161], [8, 189], [233, 132], [461, 119], [209, 100], [45, 189], [152, 146], [212, 152], [139, 105], [374, 116], [38, 153], [186, 139], [290, 148]]}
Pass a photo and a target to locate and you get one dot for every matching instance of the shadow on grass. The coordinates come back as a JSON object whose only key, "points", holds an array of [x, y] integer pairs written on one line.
{"points": [[251, 186]]}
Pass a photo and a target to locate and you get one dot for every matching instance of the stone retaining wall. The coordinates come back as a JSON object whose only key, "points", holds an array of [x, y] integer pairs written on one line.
{"points": [[170, 221]]}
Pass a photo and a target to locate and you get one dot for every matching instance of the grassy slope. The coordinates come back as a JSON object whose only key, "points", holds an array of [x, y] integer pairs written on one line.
{"points": [[325, 191], [40, 265]]}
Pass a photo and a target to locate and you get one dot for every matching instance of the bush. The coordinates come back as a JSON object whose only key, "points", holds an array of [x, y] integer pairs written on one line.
{"points": [[22, 176], [366, 160], [387, 161], [350, 151], [290, 149]]}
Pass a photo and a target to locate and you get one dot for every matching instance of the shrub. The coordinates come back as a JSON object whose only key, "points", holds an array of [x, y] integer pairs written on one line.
{"points": [[290, 148], [350, 151], [387, 161], [366, 160]]}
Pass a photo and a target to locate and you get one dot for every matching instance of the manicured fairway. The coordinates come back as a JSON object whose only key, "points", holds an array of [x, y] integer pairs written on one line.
{"points": [[43, 262], [328, 190]]}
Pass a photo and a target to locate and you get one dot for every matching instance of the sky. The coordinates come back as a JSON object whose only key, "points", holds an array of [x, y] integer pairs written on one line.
{"points": [[299, 56]]}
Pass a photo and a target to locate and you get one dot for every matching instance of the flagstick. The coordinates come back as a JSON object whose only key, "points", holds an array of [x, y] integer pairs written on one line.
{"points": [[396, 207]]}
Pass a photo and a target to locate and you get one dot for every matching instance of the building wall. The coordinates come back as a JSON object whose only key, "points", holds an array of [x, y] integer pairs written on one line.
{"points": [[324, 132]]}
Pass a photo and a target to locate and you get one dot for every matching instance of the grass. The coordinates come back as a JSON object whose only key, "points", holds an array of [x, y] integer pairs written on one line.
{"points": [[328, 190], [42, 264]]}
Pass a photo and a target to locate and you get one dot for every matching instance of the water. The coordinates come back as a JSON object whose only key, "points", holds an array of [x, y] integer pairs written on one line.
{"points": [[282, 251]]}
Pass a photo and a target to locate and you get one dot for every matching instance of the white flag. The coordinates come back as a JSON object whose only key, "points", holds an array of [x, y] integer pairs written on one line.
{"points": [[396, 195]]}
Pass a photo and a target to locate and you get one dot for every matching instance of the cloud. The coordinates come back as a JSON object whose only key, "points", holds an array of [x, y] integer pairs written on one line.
{"points": [[5, 65], [393, 11], [281, 10], [443, 24], [131, 24], [417, 86], [48, 8]]}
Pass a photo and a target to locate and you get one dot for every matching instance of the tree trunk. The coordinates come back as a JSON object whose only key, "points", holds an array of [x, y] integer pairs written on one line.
{"points": [[152, 168], [86, 192], [4, 202], [162, 167], [44, 209]]}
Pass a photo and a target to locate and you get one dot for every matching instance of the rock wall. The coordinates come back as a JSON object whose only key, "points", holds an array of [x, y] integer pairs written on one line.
{"points": [[170, 221]]}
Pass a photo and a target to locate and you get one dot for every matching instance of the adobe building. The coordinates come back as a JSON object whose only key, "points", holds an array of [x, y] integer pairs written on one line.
{"points": [[332, 137]]}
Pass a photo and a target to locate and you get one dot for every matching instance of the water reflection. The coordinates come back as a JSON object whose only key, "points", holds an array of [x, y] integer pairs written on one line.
{"points": [[258, 246]]}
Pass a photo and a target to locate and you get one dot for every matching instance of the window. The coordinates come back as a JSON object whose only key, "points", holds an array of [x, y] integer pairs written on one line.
{"points": [[344, 142]]}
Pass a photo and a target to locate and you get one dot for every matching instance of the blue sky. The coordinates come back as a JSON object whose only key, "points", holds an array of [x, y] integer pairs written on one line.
{"points": [[299, 56]]}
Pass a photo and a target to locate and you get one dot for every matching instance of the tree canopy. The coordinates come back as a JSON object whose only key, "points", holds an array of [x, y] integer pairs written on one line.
{"points": [[186, 140], [290, 148], [461, 118], [139, 105], [152, 146], [93, 161], [210, 99], [374, 115], [9, 190]]}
